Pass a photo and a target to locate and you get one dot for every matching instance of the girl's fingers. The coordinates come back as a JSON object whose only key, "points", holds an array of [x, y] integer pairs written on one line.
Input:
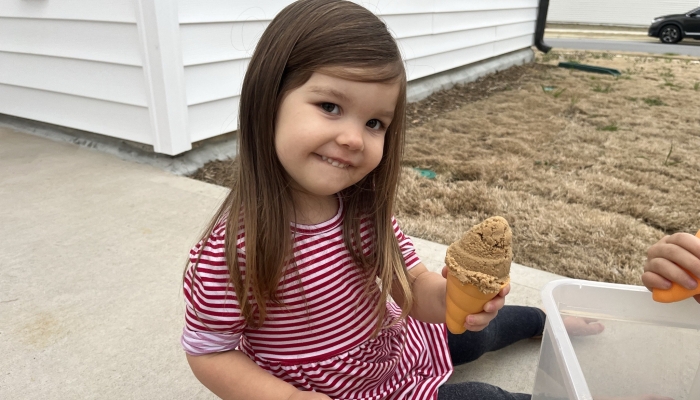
{"points": [[686, 241], [476, 328], [477, 322], [653, 280], [659, 271], [444, 272], [504, 292], [682, 249], [495, 304]]}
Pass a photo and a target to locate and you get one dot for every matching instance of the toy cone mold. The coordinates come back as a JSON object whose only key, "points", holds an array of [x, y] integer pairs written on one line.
{"points": [[478, 267], [676, 292]]}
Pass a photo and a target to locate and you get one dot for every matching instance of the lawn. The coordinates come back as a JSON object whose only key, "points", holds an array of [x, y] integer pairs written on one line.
{"points": [[589, 169]]}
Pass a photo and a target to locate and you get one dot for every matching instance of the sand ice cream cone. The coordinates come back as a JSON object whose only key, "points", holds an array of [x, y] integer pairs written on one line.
{"points": [[478, 268]]}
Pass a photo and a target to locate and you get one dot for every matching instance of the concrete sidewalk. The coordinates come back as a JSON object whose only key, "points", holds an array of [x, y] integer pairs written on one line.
{"points": [[93, 249]]}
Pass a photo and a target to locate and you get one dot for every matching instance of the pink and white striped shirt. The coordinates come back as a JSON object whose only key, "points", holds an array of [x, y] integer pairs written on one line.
{"points": [[319, 341]]}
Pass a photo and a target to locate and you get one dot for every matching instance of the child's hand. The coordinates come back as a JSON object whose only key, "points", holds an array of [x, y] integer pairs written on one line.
{"points": [[666, 256], [477, 322], [300, 395]]}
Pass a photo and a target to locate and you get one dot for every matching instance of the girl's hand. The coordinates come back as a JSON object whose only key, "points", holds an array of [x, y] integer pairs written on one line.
{"points": [[477, 322], [300, 395], [666, 256]]}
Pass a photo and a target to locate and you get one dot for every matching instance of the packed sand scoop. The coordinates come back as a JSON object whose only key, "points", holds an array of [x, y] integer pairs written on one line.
{"points": [[478, 267]]}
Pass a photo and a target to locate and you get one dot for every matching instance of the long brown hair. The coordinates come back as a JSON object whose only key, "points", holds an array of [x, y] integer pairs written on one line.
{"points": [[347, 41]]}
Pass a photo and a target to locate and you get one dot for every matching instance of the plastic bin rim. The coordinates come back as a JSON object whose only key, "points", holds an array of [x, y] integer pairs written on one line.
{"points": [[550, 286]]}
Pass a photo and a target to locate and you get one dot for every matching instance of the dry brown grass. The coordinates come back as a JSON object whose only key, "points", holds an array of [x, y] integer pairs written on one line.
{"points": [[588, 174]]}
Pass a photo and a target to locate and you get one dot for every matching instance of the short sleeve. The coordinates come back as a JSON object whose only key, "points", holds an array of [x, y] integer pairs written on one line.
{"points": [[408, 250], [213, 321]]}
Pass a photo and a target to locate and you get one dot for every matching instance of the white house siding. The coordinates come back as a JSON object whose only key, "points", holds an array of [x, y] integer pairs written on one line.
{"points": [[618, 12], [218, 38], [74, 63], [168, 73]]}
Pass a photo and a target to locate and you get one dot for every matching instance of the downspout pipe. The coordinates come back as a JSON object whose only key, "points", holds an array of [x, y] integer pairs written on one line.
{"points": [[539, 28]]}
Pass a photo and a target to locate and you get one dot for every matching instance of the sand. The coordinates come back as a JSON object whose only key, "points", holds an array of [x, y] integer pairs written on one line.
{"points": [[483, 255]]}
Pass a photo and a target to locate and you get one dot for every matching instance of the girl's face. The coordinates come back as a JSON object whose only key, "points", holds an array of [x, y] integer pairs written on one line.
{"points": [[329, 132]]}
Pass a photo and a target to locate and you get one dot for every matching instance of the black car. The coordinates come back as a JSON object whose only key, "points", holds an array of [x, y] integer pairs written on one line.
{"points": [[675, 27]]}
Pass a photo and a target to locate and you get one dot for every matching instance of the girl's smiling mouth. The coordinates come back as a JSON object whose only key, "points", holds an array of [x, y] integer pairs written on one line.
{"points": [[336, 163]]}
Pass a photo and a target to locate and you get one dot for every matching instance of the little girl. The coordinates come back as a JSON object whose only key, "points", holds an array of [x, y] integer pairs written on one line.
{"points": [[287, 292]]}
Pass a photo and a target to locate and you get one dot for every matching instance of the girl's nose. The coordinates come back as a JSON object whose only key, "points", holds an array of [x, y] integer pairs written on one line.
{"points": [[352, 137]]}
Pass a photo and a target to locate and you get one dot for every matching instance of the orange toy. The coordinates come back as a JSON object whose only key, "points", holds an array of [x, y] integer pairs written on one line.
{"points": [[676, 292], [463, 300]]}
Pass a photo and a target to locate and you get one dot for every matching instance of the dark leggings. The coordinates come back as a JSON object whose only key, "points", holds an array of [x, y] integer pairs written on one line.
{"points": [[512, 324]]}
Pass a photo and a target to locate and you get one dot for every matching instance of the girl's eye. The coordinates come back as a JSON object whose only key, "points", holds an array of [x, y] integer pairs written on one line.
{"points": [[330, 108], [374, 124]]}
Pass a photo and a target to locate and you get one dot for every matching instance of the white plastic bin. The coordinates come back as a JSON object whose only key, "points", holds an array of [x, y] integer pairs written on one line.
{"points": [[646, 348]]}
